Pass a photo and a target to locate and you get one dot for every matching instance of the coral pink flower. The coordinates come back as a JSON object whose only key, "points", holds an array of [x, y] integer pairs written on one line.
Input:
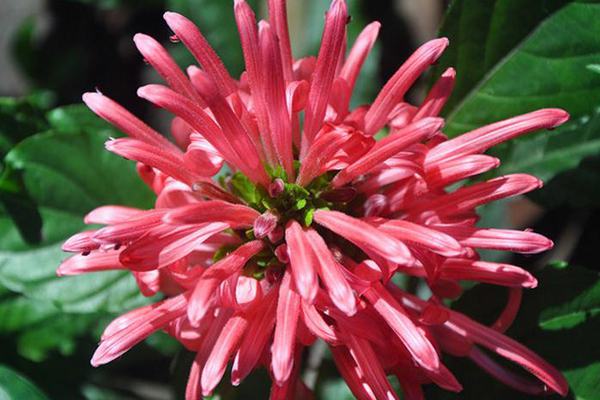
{"points": [[299, 237]]}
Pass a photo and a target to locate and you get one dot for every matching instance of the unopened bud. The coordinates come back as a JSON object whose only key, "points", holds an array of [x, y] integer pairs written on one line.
{"points": [[276, 234], [265, 224], [276, 187], [282, 254]]}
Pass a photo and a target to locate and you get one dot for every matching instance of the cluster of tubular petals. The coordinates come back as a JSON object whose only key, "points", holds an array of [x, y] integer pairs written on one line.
{"points": [[330, 277]]}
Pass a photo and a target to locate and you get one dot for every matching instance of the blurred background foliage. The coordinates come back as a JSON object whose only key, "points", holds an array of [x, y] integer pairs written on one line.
{"points": [[510, 59]]}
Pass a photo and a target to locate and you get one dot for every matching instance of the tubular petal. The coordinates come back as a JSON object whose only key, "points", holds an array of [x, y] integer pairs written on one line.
{"points": [[96, 261], [215, 365], [394, 90], [288, 311], [511, 350], [214, 275], [365, 236], [258, 334], [373, 372], [394, 314], [170, 245], [488, 272], [162, 62], [438, 96], [125, 121], [236, 215], [80, 243], [278, 19], [194, 115], [324, 74], [111, 214], [499, 239], [202, 157], [131, 229], [509, 378], [246, 22], [359, 53], [351, 373], [410, 232], [275, 100], [303, 261], [190, 35], [467, 198], [153, 156], [388, 147], [481, 139], [158, 316], [330, 272], [449, 172]]}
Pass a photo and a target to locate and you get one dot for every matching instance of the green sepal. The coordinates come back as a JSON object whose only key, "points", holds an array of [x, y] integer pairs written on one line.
{"points": [[300, 204], [222, 252], [244, 188], [308, 217]]}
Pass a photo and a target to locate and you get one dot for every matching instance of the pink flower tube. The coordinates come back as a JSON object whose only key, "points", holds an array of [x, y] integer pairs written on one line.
{"points": [[298, 239]]}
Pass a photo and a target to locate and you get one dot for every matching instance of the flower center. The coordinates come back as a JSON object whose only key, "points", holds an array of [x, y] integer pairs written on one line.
{"points": [[278, 204]]}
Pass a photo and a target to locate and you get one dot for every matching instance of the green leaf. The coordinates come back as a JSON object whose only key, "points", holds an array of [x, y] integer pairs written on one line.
{"points": [[39, 327], [584, 304], [335, 389], [512, 59], [482, 33], [244, 188], [116, 4], [93, 392], [594, 68], [14, 386], [579, 188], [69, 119], [20, 118], [164, 343], [78, 118], [19, 205], [68, 175], [559, 320]]}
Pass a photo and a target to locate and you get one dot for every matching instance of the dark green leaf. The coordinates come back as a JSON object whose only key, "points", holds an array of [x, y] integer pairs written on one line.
{"points": [[68, 175], [594, 68], [14, 386], [39, 327], [115, 4], [93, 392], [578, 187], [20, 118], [559, 320], [19, 205], [513, 59], [78, 118], [164, 343], [582, 306], [335, 389], [483, 32], [244, 188]]}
